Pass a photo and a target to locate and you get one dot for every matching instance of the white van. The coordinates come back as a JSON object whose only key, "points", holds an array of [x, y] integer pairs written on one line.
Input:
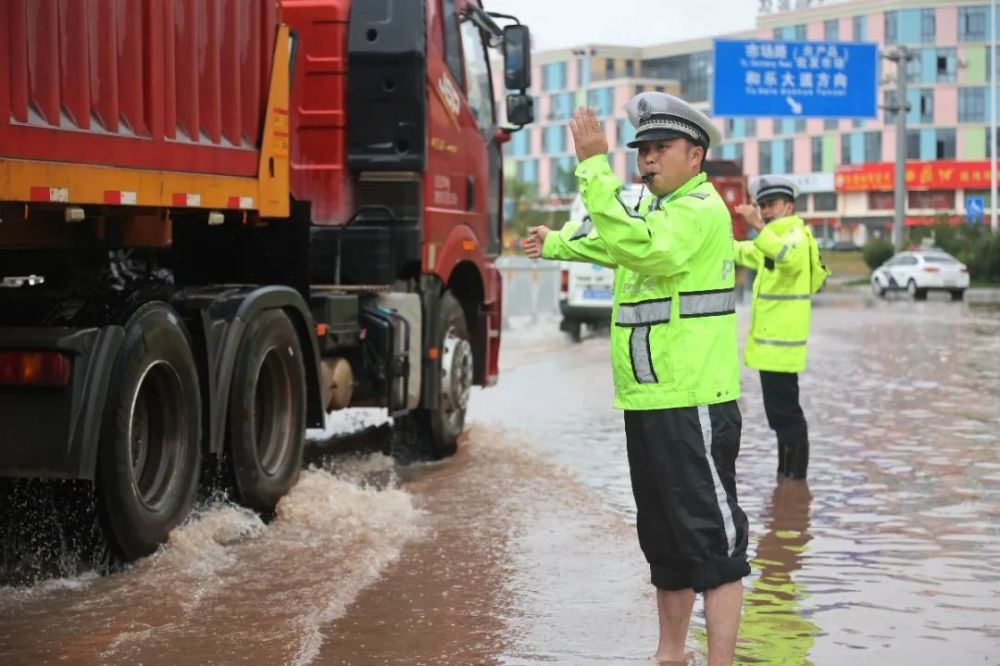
{"points": [[586, 290]]}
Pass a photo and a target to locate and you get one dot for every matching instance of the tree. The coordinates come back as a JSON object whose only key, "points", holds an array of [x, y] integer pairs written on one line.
{"points": [[523, 206]]}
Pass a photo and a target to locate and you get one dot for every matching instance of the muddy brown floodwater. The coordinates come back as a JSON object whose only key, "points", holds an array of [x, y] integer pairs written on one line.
{"points": [[521, 549]]}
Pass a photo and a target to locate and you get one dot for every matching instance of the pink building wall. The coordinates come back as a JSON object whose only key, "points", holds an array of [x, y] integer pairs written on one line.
{"points": [[814, 31], [947, 26], [765, 128], [946, 106], [750, 156], [846, 29], [875, 29], [802, 155], [544, 171]]}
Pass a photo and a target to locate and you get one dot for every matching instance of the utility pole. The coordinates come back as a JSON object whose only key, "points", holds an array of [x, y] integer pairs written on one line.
{"points": [[901, 107], [993, 115]]}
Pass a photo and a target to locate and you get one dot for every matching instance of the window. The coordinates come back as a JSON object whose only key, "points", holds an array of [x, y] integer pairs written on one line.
{"points": [[944, 144], [626, 132], [738, 155], [824, 201], [859, 28], [927, 106], [947, 65], [914, 67], [630, 68], [452, 49], [561, 106], [520, 143], [927, 25], [971, 105], [751, 128], [831, 30], [800, 125], [527, 171], [873, 146], [891, 27], [800, 32], [845, 149], [554, 139], [881, 200], [831, 124], [478, 83], [554, 76], [764, 156], [913, 144], [931, 199], [817, 154], [609, 68], [602, 100], [582, 72], [972, 24], [802, 203]]}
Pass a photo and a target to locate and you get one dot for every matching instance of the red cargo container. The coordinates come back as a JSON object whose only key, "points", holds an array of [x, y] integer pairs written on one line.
{"points": [[172, 85]]}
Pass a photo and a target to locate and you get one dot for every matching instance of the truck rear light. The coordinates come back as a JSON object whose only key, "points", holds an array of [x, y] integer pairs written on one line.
{"points": [[564, 281], [20, 368], [931, 269]]}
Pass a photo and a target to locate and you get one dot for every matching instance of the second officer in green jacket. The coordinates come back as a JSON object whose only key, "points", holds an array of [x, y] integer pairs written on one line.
{"points": [[789, 271], [674, 357]]}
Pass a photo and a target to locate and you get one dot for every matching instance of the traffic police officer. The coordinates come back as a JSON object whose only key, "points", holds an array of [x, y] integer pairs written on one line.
{"points": [[674, 356], [789, 271]]}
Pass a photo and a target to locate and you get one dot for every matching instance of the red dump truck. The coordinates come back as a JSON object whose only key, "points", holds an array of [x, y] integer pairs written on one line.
{"points": [[220, 221]]}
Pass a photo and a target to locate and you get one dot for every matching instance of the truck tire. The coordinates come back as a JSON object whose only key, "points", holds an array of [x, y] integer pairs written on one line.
{"points": [[434, 433], [149, 454], [267, 412]]}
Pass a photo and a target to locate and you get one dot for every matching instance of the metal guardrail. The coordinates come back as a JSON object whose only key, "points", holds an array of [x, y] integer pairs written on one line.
{"points": [[530, 287]]}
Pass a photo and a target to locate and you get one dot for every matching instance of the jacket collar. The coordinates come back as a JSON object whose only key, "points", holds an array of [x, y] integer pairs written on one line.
{"points": [[783, 224], [687, 187]]}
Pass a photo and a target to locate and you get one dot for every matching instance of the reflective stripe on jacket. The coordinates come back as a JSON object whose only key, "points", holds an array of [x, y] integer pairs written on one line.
{"points": [[673, 338], [786, 259]]}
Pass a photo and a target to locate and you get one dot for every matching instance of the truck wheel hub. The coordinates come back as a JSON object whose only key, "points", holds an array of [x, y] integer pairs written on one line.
{"points": [[456, 372]]}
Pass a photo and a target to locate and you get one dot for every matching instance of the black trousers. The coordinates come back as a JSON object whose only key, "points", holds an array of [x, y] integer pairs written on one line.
{"points": [[781, 404], [683, 467]]}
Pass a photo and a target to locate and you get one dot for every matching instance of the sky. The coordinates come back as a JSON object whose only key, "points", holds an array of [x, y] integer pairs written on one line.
{"points": [[558, 24]]}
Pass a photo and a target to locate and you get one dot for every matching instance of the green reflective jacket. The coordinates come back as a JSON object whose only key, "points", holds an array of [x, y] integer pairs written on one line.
{"points": [[789, 271], [673, 338]]}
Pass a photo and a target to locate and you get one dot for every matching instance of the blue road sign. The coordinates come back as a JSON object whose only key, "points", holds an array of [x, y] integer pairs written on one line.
{"points": [[974, 208], [795, 79]]}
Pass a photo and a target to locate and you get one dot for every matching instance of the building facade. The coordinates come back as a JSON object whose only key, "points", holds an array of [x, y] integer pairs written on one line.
{"points": [[840, 164]]}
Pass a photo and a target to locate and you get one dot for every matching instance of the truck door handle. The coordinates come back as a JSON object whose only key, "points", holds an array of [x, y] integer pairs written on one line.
{"points": [[470, 192]]}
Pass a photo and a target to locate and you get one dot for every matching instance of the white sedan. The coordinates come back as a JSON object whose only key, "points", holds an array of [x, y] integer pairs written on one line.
{"points": [[919, 272]]}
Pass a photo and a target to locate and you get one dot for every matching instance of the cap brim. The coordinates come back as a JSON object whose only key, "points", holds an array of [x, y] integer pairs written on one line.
{"points": [[771, 196], [658, 135]]}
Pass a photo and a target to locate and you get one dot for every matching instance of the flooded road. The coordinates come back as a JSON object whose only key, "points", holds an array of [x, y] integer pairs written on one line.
{"points": [[521, 549]]}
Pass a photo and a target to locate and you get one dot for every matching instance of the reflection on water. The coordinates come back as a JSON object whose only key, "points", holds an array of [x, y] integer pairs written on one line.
{"points": [[774, 629], [891, 555]]}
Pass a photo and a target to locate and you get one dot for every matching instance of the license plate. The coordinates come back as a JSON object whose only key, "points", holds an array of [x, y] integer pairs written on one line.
{"points": [[597, 294], [950, 283]]}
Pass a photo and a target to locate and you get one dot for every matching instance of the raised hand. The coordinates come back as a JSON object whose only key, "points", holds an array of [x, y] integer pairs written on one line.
{"points": [[588, 135]]}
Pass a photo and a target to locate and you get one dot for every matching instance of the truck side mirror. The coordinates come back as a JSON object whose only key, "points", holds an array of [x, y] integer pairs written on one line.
{"points": [[516, 57], [520, 109]]}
